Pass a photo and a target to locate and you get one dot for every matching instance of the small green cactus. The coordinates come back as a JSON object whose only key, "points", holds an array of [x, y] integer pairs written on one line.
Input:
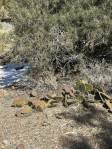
{"points": [[89, 87], [80, 99], [19, 103], [80, 86]]}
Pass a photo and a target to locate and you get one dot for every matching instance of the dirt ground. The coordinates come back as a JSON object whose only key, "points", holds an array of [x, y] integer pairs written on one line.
{"points": [[43, 130]]}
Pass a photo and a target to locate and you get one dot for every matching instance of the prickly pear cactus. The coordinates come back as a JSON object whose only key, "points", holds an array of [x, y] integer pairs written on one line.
{"points": [[19, 103], [80, 99], [80, 86], [89, 87]]}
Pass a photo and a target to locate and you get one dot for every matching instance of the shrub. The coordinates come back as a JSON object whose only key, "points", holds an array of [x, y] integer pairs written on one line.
{"points": [[4, 7], [51, 33]]}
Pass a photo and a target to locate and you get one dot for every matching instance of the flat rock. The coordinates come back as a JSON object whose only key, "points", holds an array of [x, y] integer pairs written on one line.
{"points": [[20, 146], [68, 90], [24, 112], [33, 93]]}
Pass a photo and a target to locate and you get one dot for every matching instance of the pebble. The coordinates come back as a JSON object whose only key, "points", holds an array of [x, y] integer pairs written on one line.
{"points": [[59, 116], [13, 87], [45, 123], [5, 142], [20, 146], [33, 93]]}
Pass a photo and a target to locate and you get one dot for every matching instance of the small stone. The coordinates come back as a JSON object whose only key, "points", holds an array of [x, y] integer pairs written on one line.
{"points": [[20, 146], [69, 90], [13, 87], [5, 142], [59, 116], [33, 93], [51, 95], [45, 123]]}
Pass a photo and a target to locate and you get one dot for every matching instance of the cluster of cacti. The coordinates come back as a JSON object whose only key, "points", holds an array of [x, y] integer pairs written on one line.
{"points": [[29, 106], [80, 95], [84, 86], [83, 92]]}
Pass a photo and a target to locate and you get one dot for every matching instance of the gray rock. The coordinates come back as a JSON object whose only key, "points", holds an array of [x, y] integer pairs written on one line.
{"points": [[5, 142]]}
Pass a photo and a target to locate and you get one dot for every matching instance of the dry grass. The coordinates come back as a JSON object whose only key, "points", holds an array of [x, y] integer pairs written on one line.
{"points": [[99, 73]]}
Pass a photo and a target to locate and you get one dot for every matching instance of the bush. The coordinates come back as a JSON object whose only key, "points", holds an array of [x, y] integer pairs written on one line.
{"points": [[5, 2], [49, 34], [4, 7]]}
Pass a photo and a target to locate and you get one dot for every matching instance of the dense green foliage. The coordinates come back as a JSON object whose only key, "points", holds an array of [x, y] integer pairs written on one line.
{"points": [[5, 2], [49, 33]]}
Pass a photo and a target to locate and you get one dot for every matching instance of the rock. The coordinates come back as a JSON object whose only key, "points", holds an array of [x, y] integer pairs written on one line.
{"points": [[5, 142], [59, 116], [68, 90], [51, 95], [45, 123], [24, 112], [33, 93], [38, 105], [20, 146], [13, 87]]}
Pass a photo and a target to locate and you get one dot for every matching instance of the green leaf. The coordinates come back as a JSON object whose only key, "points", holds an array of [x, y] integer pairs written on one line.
{"points": [[80, 99], [108, 103]]}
